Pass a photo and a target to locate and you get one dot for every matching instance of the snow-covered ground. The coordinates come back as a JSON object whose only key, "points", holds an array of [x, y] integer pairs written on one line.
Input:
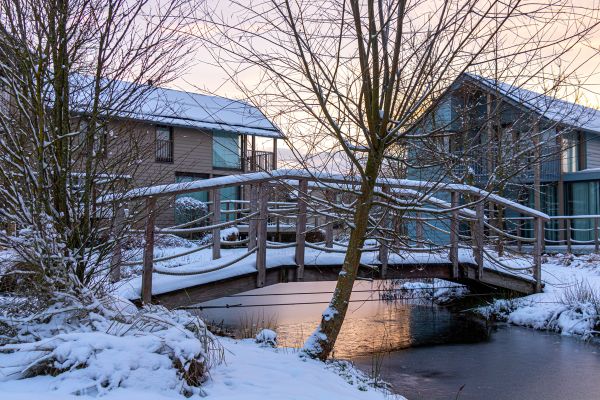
{"points": [[570, 303], [110, 349], [249, 372]]}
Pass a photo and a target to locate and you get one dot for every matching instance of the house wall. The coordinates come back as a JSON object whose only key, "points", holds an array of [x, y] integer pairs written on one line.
{"points": [[192, 153]]}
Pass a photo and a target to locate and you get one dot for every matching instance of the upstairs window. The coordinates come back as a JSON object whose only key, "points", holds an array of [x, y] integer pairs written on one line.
{"points": [[164, 144], [100, 138], [572, 153], [227, 151]]}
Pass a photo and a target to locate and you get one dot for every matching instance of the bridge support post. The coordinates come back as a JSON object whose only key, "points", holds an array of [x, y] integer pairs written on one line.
{"points": [[478, 236], [252, 223], [518, 232], [148, 251], [117, 252], [216, 219], [301, 228], [261, 252], [454, 227], [538, 231]]}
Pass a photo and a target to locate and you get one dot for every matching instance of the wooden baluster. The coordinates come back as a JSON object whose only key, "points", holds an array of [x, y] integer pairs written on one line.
{"points": [[596, 241], [261, 252], [537, 253], [568, 234], [330, 196], [478, 237], [117, 251], [216, 219], [301, 228], [419, 229], [384, 251], [454, 227], [148, 251], [252, 222], [519, 243]]}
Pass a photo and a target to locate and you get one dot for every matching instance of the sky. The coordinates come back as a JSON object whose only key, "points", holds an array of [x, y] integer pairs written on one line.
{"points": [[204, 76]]}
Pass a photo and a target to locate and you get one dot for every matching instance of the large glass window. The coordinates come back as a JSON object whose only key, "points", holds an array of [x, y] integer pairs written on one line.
{"points": [[227, 150], [583, 199]]}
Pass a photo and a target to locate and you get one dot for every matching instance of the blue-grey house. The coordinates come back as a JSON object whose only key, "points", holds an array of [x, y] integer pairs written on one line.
{"points": [[516, 142]]}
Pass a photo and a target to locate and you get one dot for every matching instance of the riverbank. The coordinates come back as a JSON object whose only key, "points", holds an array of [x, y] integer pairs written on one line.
{"points": [[110, 349], [249, 372], [569, 304]]}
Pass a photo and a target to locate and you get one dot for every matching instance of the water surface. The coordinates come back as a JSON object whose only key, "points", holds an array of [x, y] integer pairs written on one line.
{"points": [[424, 351]]}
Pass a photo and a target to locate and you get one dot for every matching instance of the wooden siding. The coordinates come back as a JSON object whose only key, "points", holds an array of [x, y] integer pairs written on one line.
{"points": [[192, 153]]}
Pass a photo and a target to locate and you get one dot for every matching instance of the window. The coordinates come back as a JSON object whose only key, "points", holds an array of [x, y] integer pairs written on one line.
{"points": [[572, 152], [100, 139], [227, 152], [164, 144], [583, 199]]}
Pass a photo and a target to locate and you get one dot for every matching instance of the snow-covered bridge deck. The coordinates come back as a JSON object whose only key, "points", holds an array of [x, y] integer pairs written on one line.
{"points": [[469, 254], [177, 288]]}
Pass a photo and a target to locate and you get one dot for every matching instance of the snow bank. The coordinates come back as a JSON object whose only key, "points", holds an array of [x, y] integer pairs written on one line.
{"points": [[258, 373], [570, 304], [97, 349], [438, 290]]}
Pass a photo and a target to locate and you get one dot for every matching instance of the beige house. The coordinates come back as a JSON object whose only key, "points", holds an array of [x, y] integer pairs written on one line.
{"points": [[184, 136]]}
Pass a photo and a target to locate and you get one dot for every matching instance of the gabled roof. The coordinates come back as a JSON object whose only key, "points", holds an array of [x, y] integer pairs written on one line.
{"points": [[183, 109], [550, 108]]}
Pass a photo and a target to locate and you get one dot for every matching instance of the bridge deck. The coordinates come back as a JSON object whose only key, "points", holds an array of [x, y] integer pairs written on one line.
{"points": [[411, 234], [184, 290]]}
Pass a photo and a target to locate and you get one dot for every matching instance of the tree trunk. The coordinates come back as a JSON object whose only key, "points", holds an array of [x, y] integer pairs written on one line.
{"points": [[320, 343]]}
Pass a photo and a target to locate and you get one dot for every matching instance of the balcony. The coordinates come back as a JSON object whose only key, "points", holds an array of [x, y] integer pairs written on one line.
{"points": [[164, 151], [262, 161]]}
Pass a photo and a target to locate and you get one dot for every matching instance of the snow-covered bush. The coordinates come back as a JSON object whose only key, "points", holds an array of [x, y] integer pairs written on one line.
{"points": [[267, 337], [188, 208], [108, 344]]}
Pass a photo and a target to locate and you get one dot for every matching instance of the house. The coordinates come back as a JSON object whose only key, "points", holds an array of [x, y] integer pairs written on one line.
{"points": [[535, 148], [180, 136]]}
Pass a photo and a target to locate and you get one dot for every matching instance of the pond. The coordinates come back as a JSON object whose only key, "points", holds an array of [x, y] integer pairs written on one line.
{"points": [[425, 351]]}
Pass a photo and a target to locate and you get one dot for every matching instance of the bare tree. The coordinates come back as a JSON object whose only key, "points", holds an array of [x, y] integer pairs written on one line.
{"points": [[351, 81], [68, 71]]}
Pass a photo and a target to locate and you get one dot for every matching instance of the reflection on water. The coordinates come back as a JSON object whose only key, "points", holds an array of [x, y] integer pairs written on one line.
{"points": [[370, 326], [515, 364]]}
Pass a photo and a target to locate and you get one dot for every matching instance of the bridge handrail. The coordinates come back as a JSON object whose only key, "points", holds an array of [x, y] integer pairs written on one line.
{"points": [[180, 188]]}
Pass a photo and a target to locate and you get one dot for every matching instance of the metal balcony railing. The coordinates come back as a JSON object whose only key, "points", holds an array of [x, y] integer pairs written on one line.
{"points": [[164, 150], [262, 161]]}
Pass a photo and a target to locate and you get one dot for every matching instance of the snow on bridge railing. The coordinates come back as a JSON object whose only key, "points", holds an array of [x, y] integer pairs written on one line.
{"points": [[408, 199], [172, 189]]}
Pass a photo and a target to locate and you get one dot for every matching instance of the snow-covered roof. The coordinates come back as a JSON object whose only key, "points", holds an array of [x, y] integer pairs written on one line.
{"points": [[551, 108], [180, 108]]}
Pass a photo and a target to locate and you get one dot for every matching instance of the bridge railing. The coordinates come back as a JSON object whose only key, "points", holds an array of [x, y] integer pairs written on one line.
{"points": [[404, 217], [569, 232]]}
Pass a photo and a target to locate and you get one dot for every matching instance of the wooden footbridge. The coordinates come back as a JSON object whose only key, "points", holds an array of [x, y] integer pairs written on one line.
{"points": [[416, 230]]}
